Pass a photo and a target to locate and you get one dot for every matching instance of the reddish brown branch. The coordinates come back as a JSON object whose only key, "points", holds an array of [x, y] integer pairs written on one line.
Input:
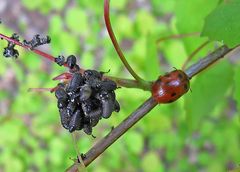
{"points": [[115, 43], [177, 36], [207, 61], [194, 53], [146, 107], [41, 53], [117, 132]]}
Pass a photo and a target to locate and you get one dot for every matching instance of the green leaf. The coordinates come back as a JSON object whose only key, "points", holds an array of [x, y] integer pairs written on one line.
{"points": [[190, 17], [223, 24]]}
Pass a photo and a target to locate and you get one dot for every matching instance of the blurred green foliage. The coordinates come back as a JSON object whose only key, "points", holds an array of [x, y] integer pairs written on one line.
{"points": [[226, 16], [200, 132]]}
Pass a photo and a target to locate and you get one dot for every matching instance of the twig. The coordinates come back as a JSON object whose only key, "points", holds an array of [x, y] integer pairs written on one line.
{"points": [[194, 53], [129, 83], [41, 53], [117, 132], [177, 36], [207, 61], [146, 107], [115, 43]]}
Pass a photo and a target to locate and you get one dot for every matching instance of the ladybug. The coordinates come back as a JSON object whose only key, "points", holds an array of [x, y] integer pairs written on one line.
{"points": [[171, 86]]}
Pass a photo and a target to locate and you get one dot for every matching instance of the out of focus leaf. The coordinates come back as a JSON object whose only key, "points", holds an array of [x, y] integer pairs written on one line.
{"points": [[208, 88], [76, 20], [237, 86], [190, 15], [33, 5], [58, 4], [152, 62], [190, 18], [146, 27], [222, 24], [134, 142], [152, 163]]}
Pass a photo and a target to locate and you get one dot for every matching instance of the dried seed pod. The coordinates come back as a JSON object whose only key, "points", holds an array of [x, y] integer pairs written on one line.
{"points": [[60, 60], [108, 103], [36, 41], [71, 107], [71, 61], [86, 99], [65, 118], [107, 85], [62, 103], [76, 121], [85, 92], [116, 106], [61, 93], [9, 51], [87, 129], [75, 83]]}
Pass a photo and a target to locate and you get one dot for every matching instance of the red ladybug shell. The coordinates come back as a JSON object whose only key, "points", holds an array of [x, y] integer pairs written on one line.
{"points": [[170, 86]]}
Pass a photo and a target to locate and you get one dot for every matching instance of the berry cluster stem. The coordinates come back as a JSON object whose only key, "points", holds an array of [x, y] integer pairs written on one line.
{"points": [[115, 43], [36, 51]]}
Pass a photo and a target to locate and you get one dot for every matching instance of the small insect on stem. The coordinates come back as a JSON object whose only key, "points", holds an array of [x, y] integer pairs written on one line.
{"points": [[170, 87]]}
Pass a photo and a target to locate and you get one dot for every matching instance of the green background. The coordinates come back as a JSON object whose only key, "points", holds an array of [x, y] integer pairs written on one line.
{"points": [[199, 132]]}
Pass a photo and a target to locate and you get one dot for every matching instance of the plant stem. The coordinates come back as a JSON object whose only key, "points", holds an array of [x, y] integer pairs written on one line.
{"points": [[129, 83], [115, 43], [194, 53], [146, 107], [117, 132], [207, 61], [41, 53], [177, 36]]}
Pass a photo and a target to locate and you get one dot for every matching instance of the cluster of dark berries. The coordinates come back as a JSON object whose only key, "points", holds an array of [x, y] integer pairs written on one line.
{"points": [[36, 41], [10, 51], [85, 99]]}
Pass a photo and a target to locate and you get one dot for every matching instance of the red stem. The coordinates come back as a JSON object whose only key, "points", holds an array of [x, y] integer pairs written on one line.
{"points": [[177, 36], [115, 43], [41, 53]]}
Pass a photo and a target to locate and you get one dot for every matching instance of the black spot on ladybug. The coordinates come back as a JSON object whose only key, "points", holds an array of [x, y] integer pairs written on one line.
{"points": [[180, 76], [167, 83], [173, 94], [167, 75], [159, 81]]}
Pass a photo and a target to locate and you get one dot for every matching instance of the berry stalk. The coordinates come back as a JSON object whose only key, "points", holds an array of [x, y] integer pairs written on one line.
{"points": [[115, 43], [41, 53]]}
